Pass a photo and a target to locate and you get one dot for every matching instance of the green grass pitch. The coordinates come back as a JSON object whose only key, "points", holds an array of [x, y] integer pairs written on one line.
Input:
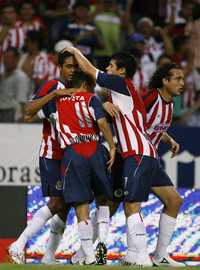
{"points": [[79, 267]]}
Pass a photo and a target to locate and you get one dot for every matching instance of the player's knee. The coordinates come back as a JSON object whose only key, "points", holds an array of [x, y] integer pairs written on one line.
{"points": [[174, 202], [56, 206]]}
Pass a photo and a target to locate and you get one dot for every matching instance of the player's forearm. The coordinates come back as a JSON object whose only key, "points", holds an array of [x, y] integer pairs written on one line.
{"points": [[32, 107], [105, 129], [166, 138], [84, 63]]}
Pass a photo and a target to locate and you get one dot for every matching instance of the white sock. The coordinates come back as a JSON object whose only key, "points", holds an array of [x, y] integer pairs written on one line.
{"points": [[57, 227], [103, 218], [166, 226], [137, 239], [93, 219], [85, 233], [38, 221]]}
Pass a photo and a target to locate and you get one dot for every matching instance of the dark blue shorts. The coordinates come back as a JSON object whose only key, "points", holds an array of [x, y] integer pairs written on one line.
{"points": [[83, 176], [139, 175], [50, 177], [117, 178]]}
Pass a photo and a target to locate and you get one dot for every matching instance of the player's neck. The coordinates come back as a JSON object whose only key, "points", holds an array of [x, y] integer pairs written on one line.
{"points": [[165, 95], [81, 89]]}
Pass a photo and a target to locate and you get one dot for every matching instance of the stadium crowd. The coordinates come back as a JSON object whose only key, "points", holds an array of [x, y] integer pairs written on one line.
{"points": [[155, 32]]}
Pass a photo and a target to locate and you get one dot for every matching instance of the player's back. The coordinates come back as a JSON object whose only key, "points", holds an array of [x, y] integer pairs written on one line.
{"points": [[76, 122]]}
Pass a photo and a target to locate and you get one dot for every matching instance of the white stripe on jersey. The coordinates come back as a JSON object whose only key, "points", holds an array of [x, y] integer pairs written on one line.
{"points": [[42, 146], [49, 143]]}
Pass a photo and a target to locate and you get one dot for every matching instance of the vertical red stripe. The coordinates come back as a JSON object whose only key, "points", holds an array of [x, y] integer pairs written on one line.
{"points": [[46, 134], [17, 38], [138, 139], [153, 116], [158, 139], [125, 131], [163, 107], [169, 117]]}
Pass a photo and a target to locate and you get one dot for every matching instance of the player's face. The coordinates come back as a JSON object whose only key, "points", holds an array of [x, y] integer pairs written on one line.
{"points": [[113, 69], [175, 84], [68, 68]]}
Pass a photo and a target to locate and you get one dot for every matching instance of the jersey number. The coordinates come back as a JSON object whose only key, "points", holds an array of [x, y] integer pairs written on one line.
{"points": [[83, 114]]}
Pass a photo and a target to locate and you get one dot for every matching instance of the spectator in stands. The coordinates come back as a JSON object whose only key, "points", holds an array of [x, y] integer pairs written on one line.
{"points": [[157, 39], [10, 34], [35, 61], [192, 30], [81, 32], [146, 66], [14, 88], [184, 57], [108, 23], [28, 20], [57, 17], [163, 59]]}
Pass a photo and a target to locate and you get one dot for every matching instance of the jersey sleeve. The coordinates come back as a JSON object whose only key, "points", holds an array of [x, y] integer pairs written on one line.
{"points": [[112, 82], [96, 108], [149, 99], [45, 89], [48, 109]]}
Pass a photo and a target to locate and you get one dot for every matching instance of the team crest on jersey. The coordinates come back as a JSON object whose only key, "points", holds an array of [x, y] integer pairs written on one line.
{"points": [[118, 193], [59, 185], [161, 127]]}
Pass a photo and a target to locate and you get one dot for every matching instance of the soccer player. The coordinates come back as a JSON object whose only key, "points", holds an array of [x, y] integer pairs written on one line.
{"points": [[50, 162], [166, 83], [140, 157], [84, 165]]}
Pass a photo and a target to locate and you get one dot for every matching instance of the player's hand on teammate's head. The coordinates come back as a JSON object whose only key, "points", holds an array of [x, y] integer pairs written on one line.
{"points": [[65, 92], [111, 109], [112, 157], [70, 49]]}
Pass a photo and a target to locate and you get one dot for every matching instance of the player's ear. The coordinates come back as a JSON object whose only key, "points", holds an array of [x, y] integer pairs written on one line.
{"points": [[122, 71], [164, 81]]}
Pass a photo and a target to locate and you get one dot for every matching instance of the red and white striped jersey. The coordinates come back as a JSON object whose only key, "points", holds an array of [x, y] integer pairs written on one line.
{"points": [[50, 146], [40, 66], [36, 25], [53, 70], [77, 117], [14, 38], [130, 124], [159, 115]]}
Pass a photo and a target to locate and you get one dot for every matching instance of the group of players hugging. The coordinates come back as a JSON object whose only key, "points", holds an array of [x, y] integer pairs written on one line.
{"points": [[104, 149]]}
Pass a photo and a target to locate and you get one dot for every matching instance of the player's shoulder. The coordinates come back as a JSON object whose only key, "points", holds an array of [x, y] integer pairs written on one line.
{"points": [[47, 87], [150, 94], [149, 98]]}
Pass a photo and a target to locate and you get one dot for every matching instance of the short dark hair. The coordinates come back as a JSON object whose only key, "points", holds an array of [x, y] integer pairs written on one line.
{"points": [[62, 56], [164, 72], [127, 61], [80, 77]]}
